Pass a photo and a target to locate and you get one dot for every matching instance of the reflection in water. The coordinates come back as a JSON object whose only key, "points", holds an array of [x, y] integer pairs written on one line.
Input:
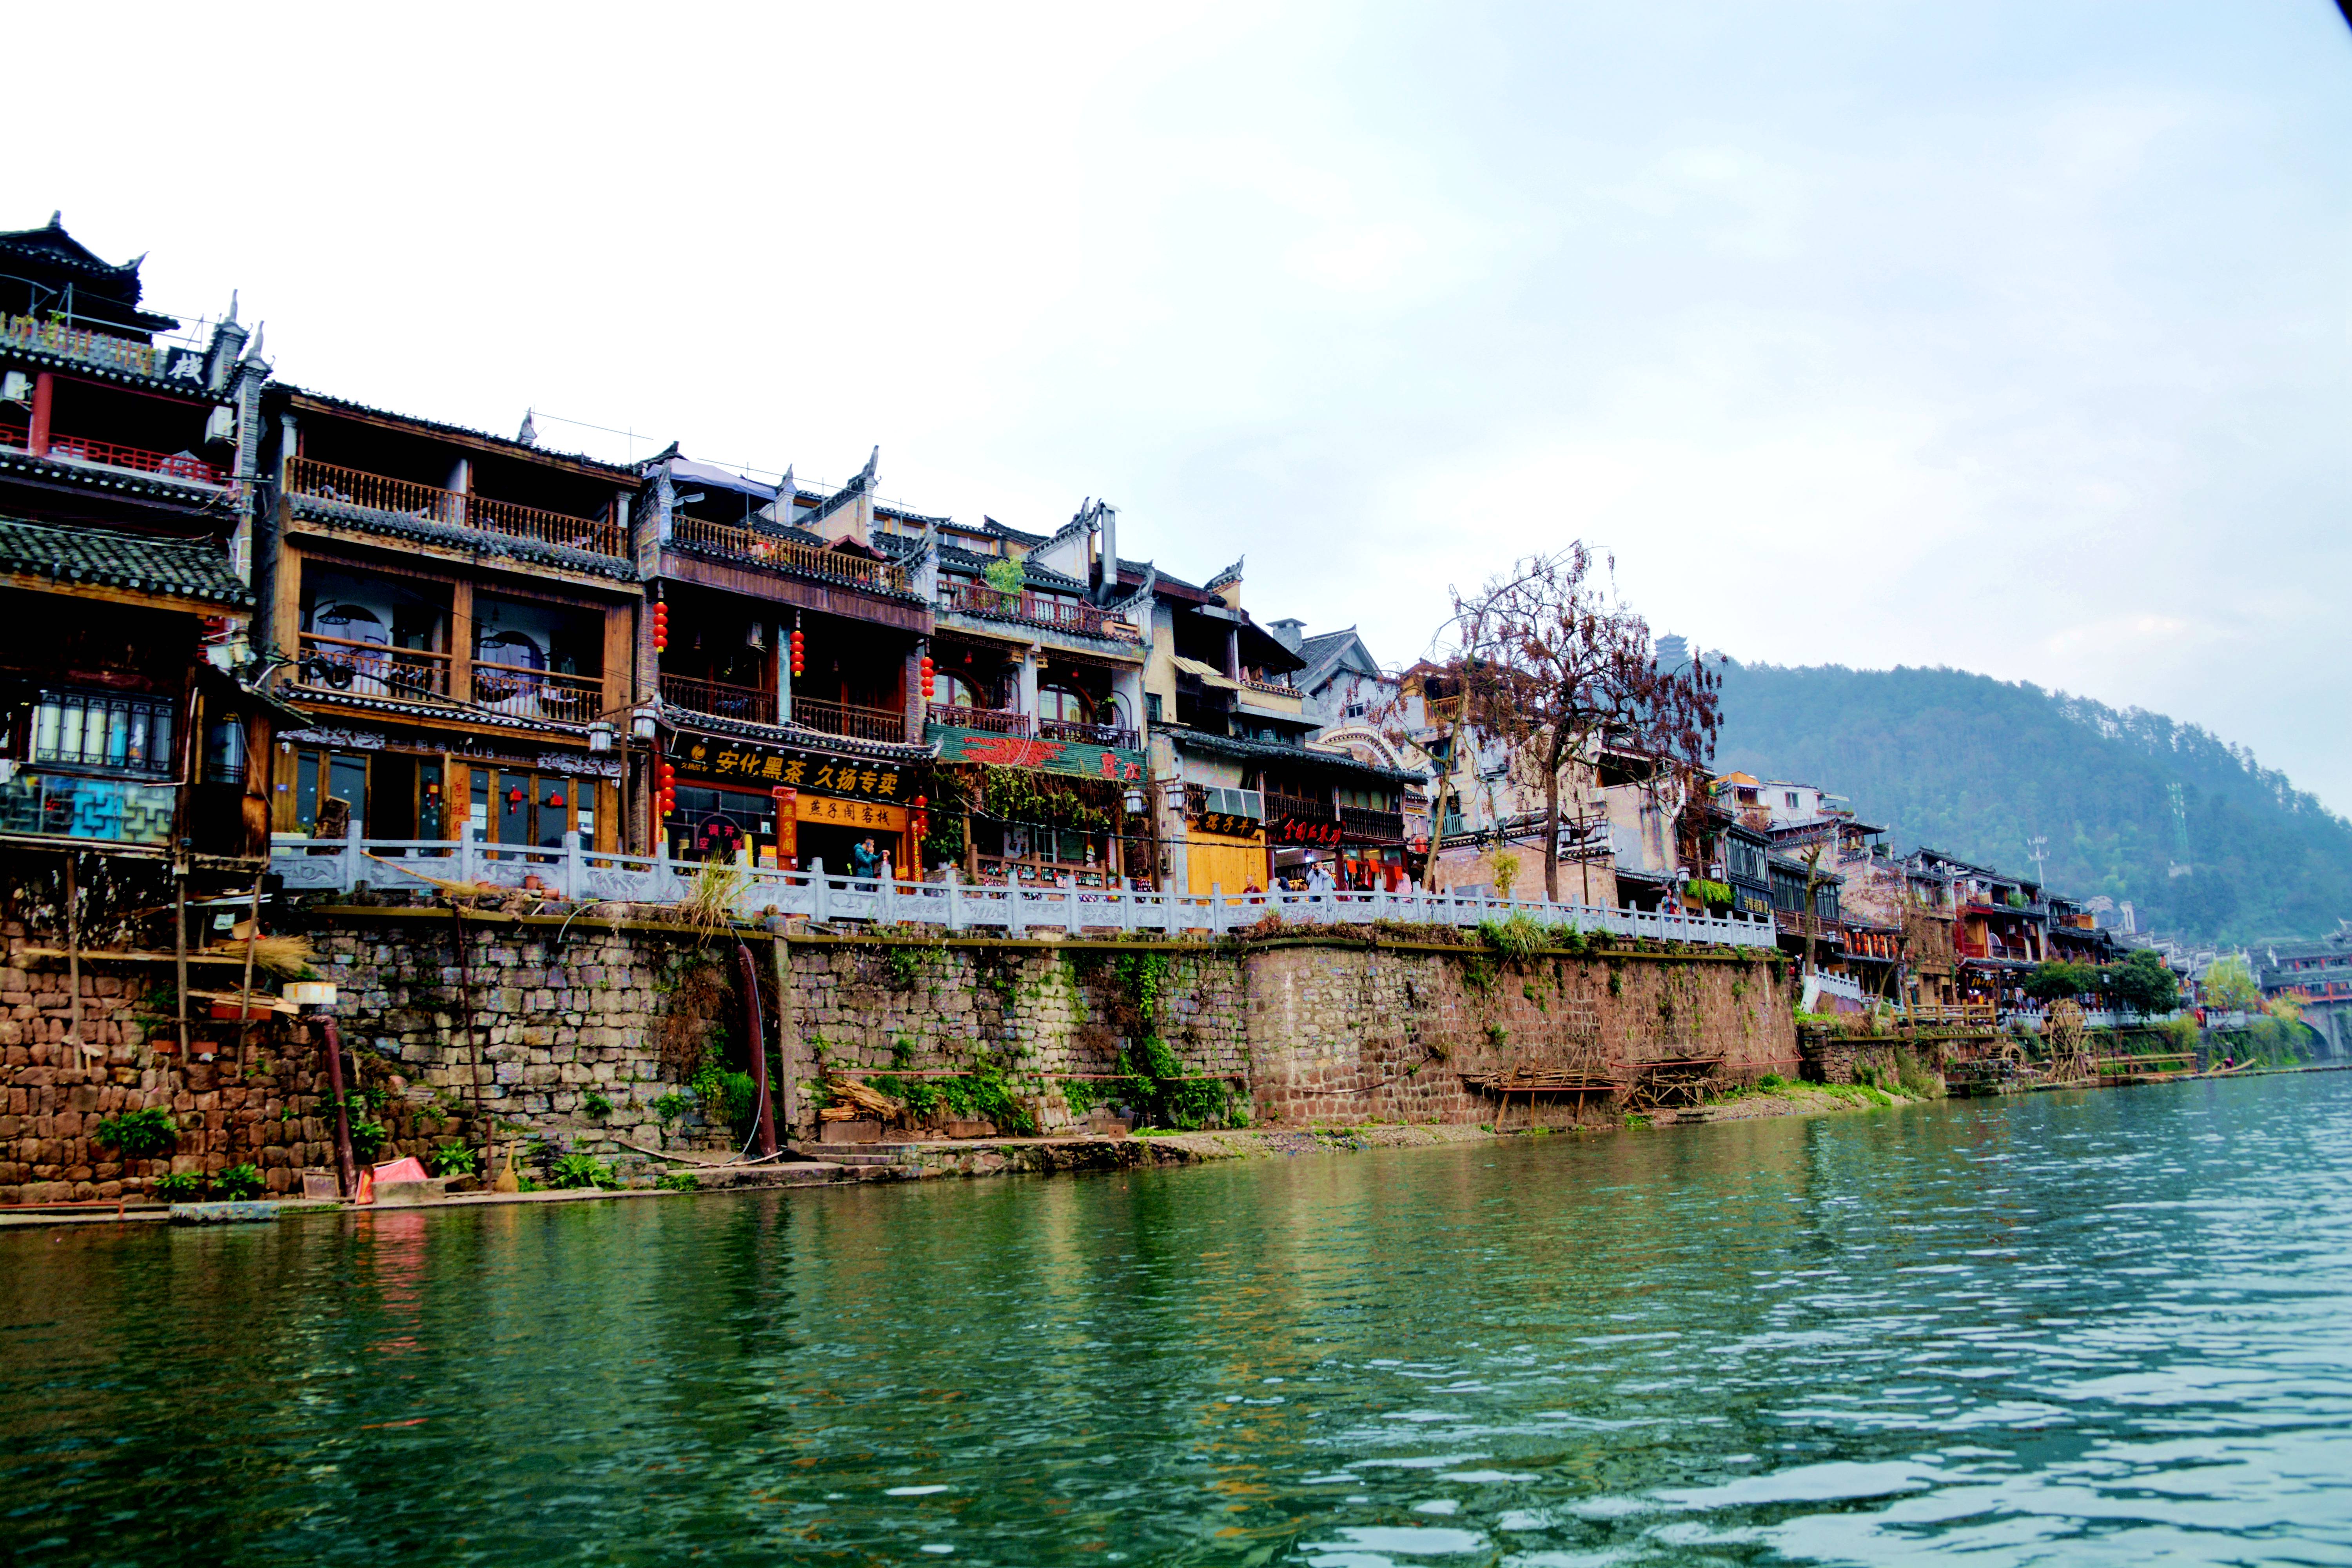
{"points": [[2087, 1328]]}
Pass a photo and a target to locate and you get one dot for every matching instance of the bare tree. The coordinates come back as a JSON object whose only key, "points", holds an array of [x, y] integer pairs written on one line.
{"points": [[1553, 665]]}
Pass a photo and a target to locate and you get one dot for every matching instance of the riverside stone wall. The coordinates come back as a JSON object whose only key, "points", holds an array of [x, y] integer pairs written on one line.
{"points": [[581, 1035], [1350, 1034]]}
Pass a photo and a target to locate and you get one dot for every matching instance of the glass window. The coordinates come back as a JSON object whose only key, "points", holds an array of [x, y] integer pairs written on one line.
{"points": [[306, 789], [954, 690], [554, 797], [100, 729], [1062, 702], [347, 782], [224, 752]]}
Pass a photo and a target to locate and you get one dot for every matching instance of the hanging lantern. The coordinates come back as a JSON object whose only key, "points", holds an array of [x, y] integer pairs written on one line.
{"points": [[927, 677], [799, 650], [661, 626]]}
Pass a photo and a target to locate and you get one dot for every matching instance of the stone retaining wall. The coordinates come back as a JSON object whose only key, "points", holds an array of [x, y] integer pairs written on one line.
{"points": [[580, 1033]]}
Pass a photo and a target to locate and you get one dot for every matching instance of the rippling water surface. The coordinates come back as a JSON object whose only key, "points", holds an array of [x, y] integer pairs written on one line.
{"points": [[2098, 1328]]}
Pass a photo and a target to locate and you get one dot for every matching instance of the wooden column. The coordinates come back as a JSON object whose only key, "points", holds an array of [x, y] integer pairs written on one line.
{"points": [[36, 439]]}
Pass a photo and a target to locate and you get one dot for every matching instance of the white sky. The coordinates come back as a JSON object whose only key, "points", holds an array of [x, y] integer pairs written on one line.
{"points": [[2003, 336]]}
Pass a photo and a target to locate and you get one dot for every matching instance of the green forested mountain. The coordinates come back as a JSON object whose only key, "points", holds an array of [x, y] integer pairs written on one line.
{"points": [[1973, 766]]}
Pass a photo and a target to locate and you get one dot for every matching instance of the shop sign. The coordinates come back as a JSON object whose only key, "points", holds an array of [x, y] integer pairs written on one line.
{"points": [[833, 812], [1229, 825], [1296, 830], [1077, 758], [740, 762]]}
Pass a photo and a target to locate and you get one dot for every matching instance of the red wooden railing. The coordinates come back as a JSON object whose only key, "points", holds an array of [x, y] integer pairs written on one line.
{"points": [[170, 465]]}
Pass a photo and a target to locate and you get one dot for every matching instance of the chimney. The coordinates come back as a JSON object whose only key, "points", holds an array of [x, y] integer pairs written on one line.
{"points": [[1288, 633], [1107, 543]]}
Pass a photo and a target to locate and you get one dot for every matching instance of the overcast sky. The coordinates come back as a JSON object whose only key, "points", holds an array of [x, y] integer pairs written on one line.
{"points": [[2005, 336]]}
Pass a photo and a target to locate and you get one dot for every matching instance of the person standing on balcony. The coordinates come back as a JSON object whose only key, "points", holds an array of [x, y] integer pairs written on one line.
{"points": [[865, 860]]}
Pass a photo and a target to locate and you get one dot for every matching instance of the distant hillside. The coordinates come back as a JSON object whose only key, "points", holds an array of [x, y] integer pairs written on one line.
{"points": [[1968, 765]]}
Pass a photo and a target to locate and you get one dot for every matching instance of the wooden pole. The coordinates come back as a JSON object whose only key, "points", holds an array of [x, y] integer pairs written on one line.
{"points": [[179, 951], [466, 1009], [245, 997], [781, 960], [73, 956]]}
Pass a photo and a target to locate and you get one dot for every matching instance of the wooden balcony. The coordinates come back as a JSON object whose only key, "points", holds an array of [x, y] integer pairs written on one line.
{"points": [[1089, 734], [796, 556], [1372, 826], [451, 509], [108, 455], [848, 719], [538, 693], [995, 721], [372, 670], [719, 699], [345, 668], [1299, 807], [1035, 610]]}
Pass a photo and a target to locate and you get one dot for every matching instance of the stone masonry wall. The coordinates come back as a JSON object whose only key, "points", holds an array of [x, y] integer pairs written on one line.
{"points": [[1343, 1035], [581, 1033]]}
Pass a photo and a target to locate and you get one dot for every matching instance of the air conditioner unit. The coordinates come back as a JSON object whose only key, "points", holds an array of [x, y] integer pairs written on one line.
{"points": [[15, 386], [220, 426]]}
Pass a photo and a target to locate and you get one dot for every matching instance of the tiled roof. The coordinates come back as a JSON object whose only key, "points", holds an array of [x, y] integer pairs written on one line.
{"points": [[120, 481], [791, 735], [195, 569], [952, 559], [1271, 751], [306, 696], [1015, 534], [482, 543], [626, 473]]}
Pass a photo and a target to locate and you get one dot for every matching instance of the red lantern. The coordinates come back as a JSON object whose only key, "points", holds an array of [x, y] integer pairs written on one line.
{"points": [[927, 677], [661, 627], [666, 786], [799, 648]]}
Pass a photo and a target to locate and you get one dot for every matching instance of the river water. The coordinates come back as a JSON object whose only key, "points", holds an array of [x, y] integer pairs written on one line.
{"points": [[2080, 1329]]}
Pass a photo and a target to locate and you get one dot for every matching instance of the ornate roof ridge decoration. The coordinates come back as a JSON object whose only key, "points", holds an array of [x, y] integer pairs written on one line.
{"points": [[1231, 574], [1141, 598], [860, 484], [1085, 520]]}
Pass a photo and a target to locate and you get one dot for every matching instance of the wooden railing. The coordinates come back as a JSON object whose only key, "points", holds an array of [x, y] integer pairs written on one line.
{"points": [[1035, 610], [1089, 734], [1251, 683], [169, 465], [1381, 827], [995, 721], [792, 555], [1303, 808], [719, 699], [451, 509], [538, 693], [848, 719], [372, 670]]}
